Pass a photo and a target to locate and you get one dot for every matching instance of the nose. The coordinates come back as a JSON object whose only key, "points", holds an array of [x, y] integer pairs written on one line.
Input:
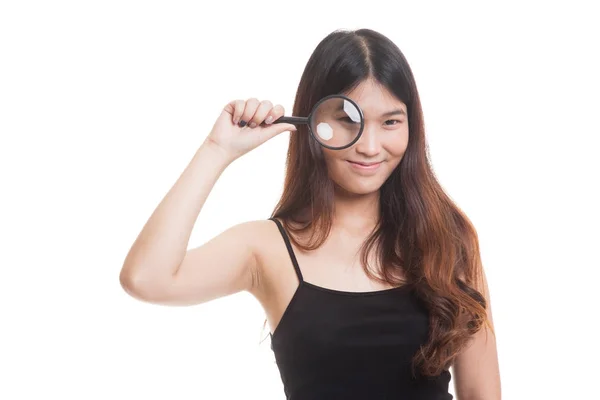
{"points": [[369, 143]]}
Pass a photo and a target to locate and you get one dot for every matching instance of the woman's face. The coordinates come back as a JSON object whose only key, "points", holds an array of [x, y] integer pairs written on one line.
{"points": [[364, 167]]}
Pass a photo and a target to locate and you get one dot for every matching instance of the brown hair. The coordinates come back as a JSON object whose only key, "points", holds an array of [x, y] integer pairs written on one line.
{"points": [[421, 232]]}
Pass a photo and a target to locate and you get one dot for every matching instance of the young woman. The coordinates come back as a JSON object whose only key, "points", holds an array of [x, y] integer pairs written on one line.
{"points": [[370, 276]]}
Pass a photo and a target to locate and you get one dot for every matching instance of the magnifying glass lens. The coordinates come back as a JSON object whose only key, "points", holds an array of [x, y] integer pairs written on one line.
{"points": [[336, 122]]}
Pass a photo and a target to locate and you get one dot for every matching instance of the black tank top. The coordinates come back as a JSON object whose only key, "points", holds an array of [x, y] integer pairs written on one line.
{"points": [[332, 344]]}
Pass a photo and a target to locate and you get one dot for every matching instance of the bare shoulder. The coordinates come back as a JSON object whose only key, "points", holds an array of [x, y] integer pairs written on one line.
{"points": [[254, 236], [257, 233], [261, 237], [270, 256], [264, 238]]}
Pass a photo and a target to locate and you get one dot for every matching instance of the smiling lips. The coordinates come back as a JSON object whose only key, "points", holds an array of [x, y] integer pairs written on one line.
{"points": [[365, 166]]}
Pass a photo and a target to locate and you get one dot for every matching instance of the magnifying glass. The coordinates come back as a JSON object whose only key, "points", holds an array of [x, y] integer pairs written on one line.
{"points": [[335, 122]]}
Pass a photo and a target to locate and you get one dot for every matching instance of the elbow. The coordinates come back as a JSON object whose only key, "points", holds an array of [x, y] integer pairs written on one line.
{"points": [[132, 284], [140, 287]]}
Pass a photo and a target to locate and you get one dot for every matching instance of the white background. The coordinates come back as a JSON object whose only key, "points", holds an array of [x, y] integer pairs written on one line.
{"points": [[102, 105]]}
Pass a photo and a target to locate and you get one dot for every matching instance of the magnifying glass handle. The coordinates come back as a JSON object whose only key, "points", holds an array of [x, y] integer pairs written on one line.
{"points": [[292, 120], [286, 120]]}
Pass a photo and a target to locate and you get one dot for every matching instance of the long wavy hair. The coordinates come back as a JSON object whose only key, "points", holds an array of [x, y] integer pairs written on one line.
{"points": [[420, 232]]}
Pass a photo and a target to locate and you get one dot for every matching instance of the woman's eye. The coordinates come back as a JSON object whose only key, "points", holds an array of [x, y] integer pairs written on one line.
{"points": [[393, 120]]}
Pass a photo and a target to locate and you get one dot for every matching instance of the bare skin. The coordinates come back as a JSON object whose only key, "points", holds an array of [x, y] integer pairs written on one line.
{"points": [[160, 268]]}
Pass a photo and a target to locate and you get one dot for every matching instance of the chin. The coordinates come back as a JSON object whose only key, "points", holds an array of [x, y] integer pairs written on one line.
{"points": [[360, 188]]}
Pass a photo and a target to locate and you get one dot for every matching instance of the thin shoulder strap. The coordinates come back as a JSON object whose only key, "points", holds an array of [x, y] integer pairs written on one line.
{"points": [[286, 239]]}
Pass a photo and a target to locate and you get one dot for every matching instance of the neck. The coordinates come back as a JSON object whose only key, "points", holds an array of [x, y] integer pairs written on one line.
{"points": [[355, 213]]}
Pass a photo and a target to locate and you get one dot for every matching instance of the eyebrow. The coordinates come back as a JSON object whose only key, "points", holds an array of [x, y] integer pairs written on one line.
{"points": [[394, 112]]}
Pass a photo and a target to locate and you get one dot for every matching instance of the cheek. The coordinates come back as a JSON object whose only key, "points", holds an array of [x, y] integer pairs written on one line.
{"points": [[334, 164], [397, 147], [335, 156], [337, 168]]}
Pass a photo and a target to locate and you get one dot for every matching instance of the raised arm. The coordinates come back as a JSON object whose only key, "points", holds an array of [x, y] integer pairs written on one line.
{"points": [[159, 268]]}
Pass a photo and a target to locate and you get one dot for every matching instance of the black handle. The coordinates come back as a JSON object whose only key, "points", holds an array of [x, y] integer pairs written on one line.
{"points": [[287, 120], [292, 120]]}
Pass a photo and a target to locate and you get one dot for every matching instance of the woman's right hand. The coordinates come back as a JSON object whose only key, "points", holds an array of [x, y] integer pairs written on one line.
{"points": [[233, 139]]}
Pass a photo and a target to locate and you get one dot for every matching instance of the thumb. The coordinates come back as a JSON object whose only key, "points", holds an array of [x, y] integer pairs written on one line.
{"points": [[275, 129]]}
